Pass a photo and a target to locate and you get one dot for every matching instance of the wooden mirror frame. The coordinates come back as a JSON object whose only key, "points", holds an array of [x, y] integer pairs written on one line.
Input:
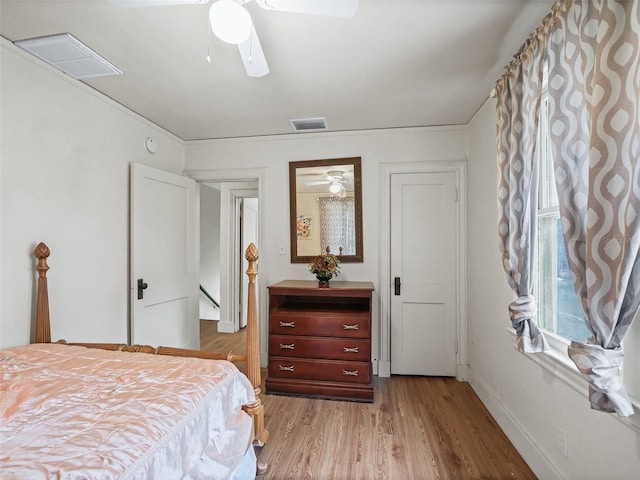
{"points": [[357, 194]]}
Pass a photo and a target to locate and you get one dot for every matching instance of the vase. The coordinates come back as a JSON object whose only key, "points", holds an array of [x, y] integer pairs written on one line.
{"points": [[323, 279]]}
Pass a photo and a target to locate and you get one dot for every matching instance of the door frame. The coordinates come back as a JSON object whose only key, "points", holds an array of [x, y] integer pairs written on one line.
{"points": [[240, 175], [230, 251], [234, 250], [240, 249], [459, 167]]}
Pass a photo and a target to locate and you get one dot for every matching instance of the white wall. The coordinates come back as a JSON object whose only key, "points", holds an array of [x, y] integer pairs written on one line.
{"points": [[65, 155], [271, 155], [209, 250], [528, 401]]}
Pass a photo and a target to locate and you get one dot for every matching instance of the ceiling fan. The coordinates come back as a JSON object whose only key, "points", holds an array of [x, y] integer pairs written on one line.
{"points": [[231, 21], [337, 180]]}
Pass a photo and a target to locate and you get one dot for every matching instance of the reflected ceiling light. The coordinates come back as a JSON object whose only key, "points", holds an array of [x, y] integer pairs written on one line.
{"points": [[230, 21], [334, 187]]}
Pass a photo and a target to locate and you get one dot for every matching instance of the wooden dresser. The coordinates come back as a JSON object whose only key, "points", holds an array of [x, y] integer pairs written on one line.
{"points": [[320, 340]]}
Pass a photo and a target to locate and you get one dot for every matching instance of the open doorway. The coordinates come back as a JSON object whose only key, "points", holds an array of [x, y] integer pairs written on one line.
{"points": [[226, 180], [229, 213]]}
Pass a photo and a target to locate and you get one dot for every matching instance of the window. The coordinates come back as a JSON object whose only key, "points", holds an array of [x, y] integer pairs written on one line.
{"points": [[559, 310]]}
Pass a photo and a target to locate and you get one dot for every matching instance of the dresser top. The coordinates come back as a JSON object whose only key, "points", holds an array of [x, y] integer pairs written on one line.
{"points": [[313, 285]]}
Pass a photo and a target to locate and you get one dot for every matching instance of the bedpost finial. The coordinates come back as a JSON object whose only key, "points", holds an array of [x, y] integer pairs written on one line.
{"points": [[42, 251], [252, 253], [43, 328]]}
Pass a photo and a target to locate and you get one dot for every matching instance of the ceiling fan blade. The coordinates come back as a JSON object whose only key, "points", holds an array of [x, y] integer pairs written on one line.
{"points": [[154, 3], [319, 182], [252, 55], [329, 8]]}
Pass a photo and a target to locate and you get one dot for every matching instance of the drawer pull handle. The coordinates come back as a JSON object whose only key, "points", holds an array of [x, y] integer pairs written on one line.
{"points": [[286, 368], [350, 327], [351, 373], [350, 350], [287, 346], [288, 324]]}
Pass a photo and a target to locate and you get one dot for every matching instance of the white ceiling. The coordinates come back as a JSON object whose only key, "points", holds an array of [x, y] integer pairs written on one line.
{"points": [[394, 64]]}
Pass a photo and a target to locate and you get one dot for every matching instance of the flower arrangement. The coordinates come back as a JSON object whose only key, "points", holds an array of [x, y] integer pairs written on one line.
{"points": [[325, 266]]}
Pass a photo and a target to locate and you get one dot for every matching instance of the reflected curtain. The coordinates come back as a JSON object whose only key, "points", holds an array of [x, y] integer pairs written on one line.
{"points": [[594, 92], [519, 94], [337, 225]]}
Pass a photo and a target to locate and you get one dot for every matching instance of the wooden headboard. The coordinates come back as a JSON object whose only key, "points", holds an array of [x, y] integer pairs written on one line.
{"points": [[251, 357]]}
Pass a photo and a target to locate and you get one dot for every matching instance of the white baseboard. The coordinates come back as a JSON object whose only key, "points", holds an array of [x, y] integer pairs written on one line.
{"points": [[524, 443], [264, 360], [225, 327], [384, 368]]}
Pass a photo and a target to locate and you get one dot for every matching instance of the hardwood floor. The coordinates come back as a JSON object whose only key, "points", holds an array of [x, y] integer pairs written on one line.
{"points": [[212, 341], [417, 428]]}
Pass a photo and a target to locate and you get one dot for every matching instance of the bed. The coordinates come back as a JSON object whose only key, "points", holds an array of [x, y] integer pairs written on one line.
{"points": [[114, 411]]}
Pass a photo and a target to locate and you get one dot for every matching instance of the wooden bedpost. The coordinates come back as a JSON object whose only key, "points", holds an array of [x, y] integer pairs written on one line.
{"points": [[43, 328], [256, 409]]}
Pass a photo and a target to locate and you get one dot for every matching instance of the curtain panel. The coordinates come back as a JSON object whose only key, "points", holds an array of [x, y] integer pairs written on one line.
{"points": [[519, 94], [594, 99], [337, 225]]}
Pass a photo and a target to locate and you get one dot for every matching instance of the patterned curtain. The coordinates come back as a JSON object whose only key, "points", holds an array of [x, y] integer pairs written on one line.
{"points": [[594, 89], [337, 225], [519, 92]]}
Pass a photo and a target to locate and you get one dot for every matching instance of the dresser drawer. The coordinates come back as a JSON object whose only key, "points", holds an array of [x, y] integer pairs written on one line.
{"points": [[320, 347], [322, 370], [351, 326]]}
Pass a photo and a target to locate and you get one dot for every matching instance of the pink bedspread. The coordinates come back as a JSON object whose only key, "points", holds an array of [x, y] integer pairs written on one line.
{"points": [[78, 413]]}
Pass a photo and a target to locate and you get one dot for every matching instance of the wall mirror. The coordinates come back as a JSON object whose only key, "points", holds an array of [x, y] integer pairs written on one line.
{"points": [[326, 209]]}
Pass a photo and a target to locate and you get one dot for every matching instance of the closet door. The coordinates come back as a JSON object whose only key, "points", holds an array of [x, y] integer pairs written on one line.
{"points": [[423, 274]]}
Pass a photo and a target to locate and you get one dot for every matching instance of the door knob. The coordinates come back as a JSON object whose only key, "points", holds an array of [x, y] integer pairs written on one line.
{"points": [[141, 287]]}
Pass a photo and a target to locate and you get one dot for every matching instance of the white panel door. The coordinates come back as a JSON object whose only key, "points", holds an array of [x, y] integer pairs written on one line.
{"points": [[164, 259], [423, 265]]}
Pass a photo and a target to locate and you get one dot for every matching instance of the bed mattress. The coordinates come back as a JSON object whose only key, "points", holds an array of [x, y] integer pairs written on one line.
{"points": [[77, 413]]}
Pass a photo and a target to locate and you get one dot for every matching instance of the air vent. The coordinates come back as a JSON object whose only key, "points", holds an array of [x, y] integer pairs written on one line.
{"points": [[67, 53], [309, 124]]}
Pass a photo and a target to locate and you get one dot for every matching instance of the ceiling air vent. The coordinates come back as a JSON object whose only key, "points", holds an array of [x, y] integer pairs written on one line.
{"points": [[309, 124], [67, 53]]}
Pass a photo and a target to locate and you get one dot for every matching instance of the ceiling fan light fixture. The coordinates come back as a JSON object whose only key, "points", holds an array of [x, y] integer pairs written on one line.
{"points": [[230, 21], [335, 188]]}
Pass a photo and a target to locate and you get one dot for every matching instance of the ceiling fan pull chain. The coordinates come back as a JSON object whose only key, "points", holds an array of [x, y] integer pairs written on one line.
{"points": [[209, 43]]}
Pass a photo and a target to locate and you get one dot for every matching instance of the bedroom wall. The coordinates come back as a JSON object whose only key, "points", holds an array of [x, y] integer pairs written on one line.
{"points": [[528, 401], [273, 154], [65, 155]]}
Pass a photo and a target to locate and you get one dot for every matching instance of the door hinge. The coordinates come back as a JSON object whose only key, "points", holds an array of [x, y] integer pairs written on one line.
{"points": [[456, 345], [455, 194]]}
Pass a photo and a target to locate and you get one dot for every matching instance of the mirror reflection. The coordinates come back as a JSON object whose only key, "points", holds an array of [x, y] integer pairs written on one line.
{"points": [[326, 209]]}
